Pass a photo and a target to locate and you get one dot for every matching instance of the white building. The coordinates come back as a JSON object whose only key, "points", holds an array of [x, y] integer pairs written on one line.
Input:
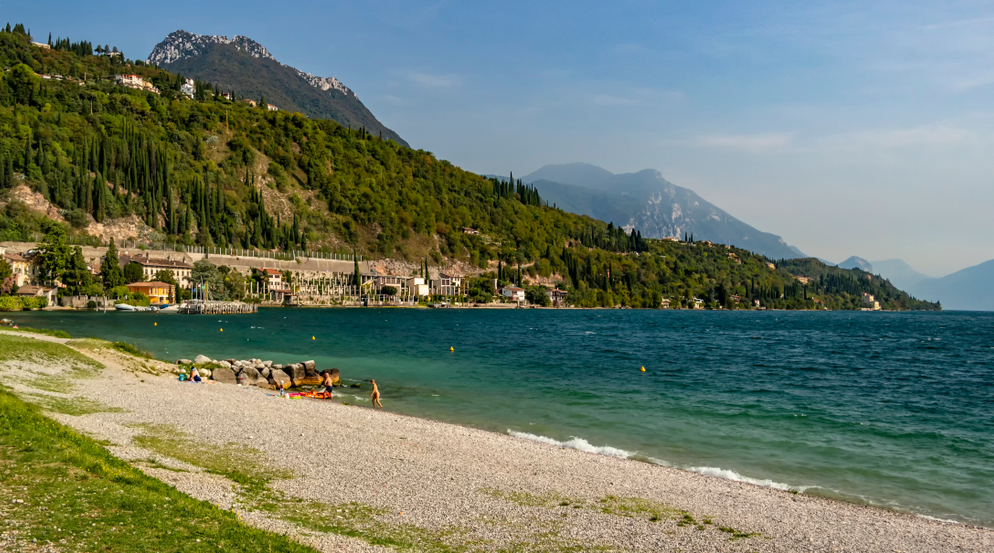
{"points": [[188, 88], [513, 293]]}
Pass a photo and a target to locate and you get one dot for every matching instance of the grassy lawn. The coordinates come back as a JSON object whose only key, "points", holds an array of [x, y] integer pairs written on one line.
{"points": [[59, 487]]}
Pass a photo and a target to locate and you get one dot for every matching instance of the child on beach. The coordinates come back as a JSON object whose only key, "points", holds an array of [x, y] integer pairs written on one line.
{"points": [[375, 395], [194, 375]]}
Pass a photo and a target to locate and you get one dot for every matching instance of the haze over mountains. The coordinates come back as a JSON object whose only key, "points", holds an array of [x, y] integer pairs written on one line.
{"points": [[246, 67], [967, 290], [649, 203]]}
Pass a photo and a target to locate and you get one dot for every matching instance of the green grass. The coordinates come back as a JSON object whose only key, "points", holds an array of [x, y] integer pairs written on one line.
{"points": [[80, 498], [45, 331], [132, 350], [17, 348], [75, 406]]}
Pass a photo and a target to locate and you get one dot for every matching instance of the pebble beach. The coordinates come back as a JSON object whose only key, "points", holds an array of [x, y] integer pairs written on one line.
{"points": [[479, 490]]}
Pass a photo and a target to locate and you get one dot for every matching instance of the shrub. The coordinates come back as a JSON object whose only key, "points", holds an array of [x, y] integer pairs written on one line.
{"points": [[131, 350], [10, 303]]}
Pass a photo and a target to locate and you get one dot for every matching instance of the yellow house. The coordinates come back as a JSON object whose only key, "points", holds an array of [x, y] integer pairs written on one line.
{"points": [[157, 292]]}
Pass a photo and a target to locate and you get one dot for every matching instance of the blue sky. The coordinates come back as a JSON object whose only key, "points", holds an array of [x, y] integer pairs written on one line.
{"points": [[848, 128]]}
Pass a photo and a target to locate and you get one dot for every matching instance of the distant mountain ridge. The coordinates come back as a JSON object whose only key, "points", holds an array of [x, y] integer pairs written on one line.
{"points": [[968, 289], [649, 203], [857, 263], [247, 67]]}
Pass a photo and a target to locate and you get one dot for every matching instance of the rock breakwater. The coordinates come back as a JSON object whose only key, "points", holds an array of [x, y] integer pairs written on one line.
{"points": [[256, 372]]}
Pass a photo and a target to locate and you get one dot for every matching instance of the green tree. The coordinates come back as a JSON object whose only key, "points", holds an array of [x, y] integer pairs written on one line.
{"points": [[77, 276], [133, 272], [538, 295], [206, 273], [54, 253], [111, 273], [234, 283], [23, 83]]}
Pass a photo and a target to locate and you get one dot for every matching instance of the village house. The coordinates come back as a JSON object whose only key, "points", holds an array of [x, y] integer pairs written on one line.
{"points": [[32, 291], [417, 286], [446, 285], [473, 231], [870, 303], [273, 277], [150, 266], [134, 81], [557, 296], [159, 293], [271, 107], [513, 293], [42, 45], [188, 88], [20, 267], [395, 282]]}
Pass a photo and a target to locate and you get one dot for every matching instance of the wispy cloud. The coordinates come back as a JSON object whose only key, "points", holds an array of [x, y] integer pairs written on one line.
{"points": [[927, 135], [428, 80], [960, 23], [753, 142]]}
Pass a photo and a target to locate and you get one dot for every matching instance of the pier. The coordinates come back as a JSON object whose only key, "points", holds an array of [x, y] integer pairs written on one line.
{"points": [[199, 307]]}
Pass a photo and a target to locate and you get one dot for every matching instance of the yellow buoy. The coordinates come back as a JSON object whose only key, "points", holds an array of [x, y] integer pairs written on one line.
{"points": [[222, 330], [155, 324], [313, 338], [643, 369], [452, 348]]}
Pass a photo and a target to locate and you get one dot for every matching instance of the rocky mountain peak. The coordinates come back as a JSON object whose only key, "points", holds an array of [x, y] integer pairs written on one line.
{"points": [[181, 44]]}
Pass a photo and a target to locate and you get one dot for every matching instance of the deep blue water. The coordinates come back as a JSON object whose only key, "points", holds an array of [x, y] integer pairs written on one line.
{"points": [[892, 409]]}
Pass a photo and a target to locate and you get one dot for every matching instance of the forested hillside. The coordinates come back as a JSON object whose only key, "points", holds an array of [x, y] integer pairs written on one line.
{"points": [[210, 171]]}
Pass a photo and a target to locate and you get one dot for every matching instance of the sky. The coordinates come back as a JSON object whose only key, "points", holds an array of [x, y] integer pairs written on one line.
{"points": [[848, 128]]}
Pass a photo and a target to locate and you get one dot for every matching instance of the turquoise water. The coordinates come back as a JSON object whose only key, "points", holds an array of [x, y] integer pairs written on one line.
{"points": [[891, 409]]}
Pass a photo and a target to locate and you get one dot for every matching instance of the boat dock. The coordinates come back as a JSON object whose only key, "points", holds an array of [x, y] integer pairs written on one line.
{"points": [[217, 308]]}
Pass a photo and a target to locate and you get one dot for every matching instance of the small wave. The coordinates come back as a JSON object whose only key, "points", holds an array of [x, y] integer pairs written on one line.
{"points": [[578, 444], [732, 475], [946, 520]]}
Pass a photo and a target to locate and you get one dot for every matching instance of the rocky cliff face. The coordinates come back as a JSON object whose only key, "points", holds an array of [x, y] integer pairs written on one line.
{"points": [[247, 67]]}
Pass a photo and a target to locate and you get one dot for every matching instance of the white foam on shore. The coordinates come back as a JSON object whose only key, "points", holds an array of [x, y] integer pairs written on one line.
{"points": [[580, 444], [732, 475]]}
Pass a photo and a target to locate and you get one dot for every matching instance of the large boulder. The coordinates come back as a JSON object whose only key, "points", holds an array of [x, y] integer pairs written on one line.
{"points": [[296, 372], [335, 377], [310, 367], [267, 364], [248, 377], [276, 376], [276, 366], [201, 360], [309, 381], [184, 362], [224, 364], [224, 375], [264, 373]]}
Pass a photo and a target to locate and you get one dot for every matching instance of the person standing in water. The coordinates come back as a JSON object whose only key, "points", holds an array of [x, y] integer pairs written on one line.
{"points": [[375, 395], [328, 383]]}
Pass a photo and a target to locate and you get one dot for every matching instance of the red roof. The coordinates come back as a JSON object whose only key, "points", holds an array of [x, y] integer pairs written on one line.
{"points": [[271, 272]]}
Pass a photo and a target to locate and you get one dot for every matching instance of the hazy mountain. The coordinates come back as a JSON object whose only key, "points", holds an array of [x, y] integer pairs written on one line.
{"points": [[969, 289], [899, 273], [857, 263], [648, 202], [246, 67]]}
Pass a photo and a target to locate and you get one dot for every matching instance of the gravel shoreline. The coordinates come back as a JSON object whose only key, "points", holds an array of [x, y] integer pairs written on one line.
{"points": [[480, 490]]}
